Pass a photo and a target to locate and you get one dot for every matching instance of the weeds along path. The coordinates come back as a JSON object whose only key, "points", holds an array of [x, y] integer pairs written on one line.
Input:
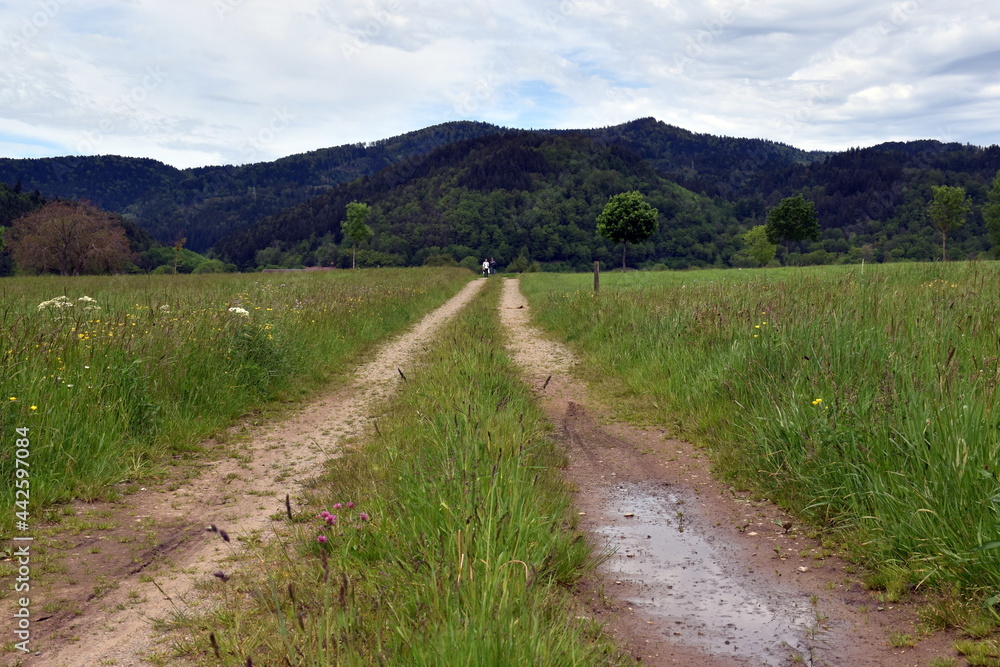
{"points": [[701, 574], [110, 622]]}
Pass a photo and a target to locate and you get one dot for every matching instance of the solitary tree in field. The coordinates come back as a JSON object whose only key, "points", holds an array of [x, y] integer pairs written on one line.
{"points": [[355, 227], [760, 249], [793, 219], [948, 211], [69, 237], [991, 214], [627, 218]]}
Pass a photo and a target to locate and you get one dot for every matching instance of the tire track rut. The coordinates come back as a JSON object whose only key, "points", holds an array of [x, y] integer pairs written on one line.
{"points": [[237, 494], [716, 578]]}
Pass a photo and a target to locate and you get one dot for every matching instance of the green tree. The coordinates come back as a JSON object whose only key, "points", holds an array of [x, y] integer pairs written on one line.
{"points": [[627, 218], [793, 219], [759, 247], [948, 211], [991, 214], [355, 227]]}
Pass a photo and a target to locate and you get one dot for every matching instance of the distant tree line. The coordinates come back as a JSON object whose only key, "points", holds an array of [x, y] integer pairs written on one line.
{"points": [[504, 195], [463, 191]]}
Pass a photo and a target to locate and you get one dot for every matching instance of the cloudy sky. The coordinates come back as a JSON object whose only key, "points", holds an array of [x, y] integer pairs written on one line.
{"points": [[199, 82]]}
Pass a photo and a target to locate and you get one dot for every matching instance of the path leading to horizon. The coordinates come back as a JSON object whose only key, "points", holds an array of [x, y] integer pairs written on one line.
{"points": [[702, 574]]}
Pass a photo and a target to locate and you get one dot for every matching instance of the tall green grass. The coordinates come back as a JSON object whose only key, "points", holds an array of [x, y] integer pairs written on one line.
{"points": [[863, 398], [465, 548], [155, 363]]}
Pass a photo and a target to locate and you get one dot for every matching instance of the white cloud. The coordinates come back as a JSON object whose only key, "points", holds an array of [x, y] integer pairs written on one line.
{"points": [[76, 77]]}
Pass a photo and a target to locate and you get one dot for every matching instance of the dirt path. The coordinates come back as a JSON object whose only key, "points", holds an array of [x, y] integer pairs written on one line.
{"points": [[701, 574], [143, 558]]}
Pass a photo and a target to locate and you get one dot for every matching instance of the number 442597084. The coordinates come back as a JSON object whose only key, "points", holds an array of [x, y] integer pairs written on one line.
{"points": [[21, 465]]}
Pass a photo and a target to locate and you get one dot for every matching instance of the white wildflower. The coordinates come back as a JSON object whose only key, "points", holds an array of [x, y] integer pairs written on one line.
{"points": [[59, 303], [240, 311], [87, 299], [165, 308]]}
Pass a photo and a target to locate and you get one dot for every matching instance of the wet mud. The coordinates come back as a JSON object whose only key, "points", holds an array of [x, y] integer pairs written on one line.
{"points": [[698, 572], [695, 588]]}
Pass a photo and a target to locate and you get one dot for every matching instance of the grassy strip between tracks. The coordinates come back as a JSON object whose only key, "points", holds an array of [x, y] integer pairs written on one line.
{"points": [[123, 372], [452, 542], [863, 398]]}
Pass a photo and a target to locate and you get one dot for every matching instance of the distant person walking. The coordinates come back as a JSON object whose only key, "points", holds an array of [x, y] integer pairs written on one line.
{"points": [[493, 265], [486, 268]]}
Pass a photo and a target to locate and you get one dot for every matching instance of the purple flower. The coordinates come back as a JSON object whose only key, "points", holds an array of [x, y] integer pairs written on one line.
{"points": [[350, 505], [331, 519], [337, 506], [322, 539], [363, 516]]}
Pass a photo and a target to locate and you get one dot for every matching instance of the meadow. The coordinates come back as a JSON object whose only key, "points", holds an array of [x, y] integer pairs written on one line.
{"points": [[863, 398], [113, 376], [445, 537]]}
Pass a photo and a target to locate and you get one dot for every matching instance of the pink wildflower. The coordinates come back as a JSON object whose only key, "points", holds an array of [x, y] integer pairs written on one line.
{"points": [[322, 539]]}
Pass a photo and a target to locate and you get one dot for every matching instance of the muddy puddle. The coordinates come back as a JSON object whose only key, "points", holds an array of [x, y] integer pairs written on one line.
{"points": [[695, 592]]}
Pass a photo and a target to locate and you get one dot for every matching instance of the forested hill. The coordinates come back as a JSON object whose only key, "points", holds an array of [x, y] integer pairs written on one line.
{"points": [[110, 181], [542, 191], [678, 153], [872, 202], [493, 196], [205, 203]]}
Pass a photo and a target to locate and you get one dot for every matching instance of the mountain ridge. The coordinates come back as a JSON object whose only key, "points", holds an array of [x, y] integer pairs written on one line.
{"points": [[871, 200]]}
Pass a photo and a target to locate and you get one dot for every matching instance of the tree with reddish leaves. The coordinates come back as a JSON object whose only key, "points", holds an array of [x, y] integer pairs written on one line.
{"points": [[70, 238]]}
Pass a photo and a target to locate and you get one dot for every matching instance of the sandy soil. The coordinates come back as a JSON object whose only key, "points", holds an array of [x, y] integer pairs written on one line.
{"points": [[146, 567], [700, 573]]}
